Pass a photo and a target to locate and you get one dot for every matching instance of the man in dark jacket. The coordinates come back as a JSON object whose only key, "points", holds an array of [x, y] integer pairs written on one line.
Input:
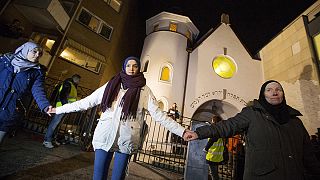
{"points": [[67, 94], [277, 144], [20, 73]]}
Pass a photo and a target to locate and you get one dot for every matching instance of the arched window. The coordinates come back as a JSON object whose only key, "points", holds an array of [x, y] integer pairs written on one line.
{"points": [[161, 105], [165, 74], [145, 67]]}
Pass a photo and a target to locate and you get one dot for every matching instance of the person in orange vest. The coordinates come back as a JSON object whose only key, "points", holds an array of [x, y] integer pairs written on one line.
{"points": [[233, 148]]}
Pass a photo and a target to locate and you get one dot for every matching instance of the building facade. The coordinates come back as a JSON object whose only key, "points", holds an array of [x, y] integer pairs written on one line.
{"points": [[292, 58], [79, 36], [218, 76], [210, 77]]}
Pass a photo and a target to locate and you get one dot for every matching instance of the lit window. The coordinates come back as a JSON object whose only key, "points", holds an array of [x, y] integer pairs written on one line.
{"points": [[161, 105], [45, 40], [94, 23], [188, 34], [173, 27], [89, 20], [316, 41], [224, 66], [115, 4], [165, 74], [87, 59], [49, 43]]}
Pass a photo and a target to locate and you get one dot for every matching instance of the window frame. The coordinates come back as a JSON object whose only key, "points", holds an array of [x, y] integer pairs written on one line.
{"points": [[100, 24], [170, 67], [109, 4], [156, 27], [233, 62], [173, 23]]}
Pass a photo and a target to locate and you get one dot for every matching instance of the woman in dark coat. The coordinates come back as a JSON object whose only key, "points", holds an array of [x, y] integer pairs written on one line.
{"points": [[277, 143], [20, 73]]}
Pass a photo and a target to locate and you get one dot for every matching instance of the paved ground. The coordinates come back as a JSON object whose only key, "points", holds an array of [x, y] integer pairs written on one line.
{"points": [[23, 157]]}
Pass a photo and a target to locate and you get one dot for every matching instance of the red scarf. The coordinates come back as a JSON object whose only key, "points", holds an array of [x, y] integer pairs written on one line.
{"points": [[130, 100]]}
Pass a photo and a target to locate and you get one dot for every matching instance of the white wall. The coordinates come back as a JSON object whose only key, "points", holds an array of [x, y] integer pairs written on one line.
{"points": [[204, 84], [160, 48]]}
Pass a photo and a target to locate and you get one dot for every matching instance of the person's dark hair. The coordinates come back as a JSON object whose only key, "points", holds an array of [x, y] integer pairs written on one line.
{"points": [[76, 76]]}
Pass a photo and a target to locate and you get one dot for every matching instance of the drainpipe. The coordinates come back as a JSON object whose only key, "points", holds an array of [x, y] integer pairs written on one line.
{"points": [[62, 40], [189, 50], [312, 46]]}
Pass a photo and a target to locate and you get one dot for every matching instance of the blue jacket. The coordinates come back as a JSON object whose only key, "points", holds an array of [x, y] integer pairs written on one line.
{"points": [[14, 86]]}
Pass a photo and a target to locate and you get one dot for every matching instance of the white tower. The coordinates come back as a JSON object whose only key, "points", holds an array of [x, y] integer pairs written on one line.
{"points": [[165, 57]]}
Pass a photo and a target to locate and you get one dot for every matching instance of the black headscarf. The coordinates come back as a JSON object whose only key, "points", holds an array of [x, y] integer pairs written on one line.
{"points": [[130, 100], [280, 112]]}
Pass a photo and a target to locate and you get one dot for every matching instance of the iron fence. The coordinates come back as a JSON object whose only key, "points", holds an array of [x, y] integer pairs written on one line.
{"points": [[159, 147], [74, 127], [163, 149]]}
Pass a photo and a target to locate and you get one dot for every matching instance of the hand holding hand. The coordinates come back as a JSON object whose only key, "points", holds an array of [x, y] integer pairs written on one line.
{"points": [[189, 135], [51, 110]]}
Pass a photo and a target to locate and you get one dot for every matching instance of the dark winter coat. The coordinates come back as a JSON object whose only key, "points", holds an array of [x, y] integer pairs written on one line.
{"points": [[14, 86], [273, 151]]}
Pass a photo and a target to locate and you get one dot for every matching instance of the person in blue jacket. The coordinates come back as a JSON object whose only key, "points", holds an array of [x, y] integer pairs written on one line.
{"points": [[20, 72]]}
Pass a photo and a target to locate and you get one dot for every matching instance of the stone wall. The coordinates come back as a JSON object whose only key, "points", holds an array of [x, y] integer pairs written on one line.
{"points": [[288, 59]]}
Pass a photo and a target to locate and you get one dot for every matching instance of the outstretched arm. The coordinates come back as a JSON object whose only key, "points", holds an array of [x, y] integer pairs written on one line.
{"points": [[227, 128], [83, 104], [163, 118]]}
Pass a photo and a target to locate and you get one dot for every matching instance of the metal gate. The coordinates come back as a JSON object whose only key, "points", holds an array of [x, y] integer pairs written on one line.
{"points": [[159, 147], [163, 149], [75, 128]]}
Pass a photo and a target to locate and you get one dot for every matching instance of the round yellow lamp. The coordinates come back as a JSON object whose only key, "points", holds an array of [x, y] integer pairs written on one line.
{"points": [[224, 66]]}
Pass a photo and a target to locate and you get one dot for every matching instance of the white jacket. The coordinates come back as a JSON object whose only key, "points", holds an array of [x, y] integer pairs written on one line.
{"points": [[111, 134]]}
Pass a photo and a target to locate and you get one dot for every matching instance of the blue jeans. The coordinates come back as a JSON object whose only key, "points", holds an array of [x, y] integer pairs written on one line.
{"points": [[52, 126], [214, 170], [102, 162]]}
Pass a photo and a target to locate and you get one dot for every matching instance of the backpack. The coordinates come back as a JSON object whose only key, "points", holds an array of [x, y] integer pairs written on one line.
{"points": [[54, 96]]}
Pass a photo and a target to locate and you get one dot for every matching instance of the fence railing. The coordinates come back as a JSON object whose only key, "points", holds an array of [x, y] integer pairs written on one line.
{"points": [[159, 147], [75, 128], [163, 149]]}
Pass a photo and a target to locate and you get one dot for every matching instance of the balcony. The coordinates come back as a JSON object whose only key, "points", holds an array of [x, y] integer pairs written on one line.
{"points": [[47, 14]]}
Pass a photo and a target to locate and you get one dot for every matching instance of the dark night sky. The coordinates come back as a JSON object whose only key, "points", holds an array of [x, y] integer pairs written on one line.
{"points": [[255, 22]]}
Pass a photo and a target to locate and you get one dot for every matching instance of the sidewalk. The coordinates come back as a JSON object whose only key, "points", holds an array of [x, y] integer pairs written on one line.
{"points": [[24, 157]]}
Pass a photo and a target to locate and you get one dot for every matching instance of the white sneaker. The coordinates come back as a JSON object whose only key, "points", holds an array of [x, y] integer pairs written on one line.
{"points": [[47, 144]]}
